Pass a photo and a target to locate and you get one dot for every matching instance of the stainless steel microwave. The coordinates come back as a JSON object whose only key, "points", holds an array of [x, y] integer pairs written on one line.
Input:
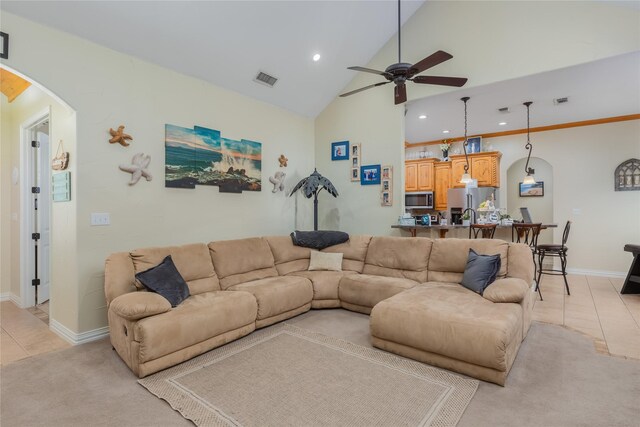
{"points": [[418, 200]]}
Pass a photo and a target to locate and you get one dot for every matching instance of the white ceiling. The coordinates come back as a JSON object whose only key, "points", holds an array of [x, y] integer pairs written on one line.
{"points": [[228, 42], [604, 88]]}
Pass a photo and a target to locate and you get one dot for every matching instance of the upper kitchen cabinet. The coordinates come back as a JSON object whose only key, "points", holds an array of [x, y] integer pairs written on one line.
{"points": [[419, 175], [442, 185], [485, 167]]}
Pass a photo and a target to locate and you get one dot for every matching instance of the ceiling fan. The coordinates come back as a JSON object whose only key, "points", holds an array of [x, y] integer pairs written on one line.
{"points": [[401, 72]]}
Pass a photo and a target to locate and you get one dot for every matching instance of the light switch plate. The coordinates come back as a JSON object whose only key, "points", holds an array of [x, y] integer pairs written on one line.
{"points": [[577, 211], [100, 219]]}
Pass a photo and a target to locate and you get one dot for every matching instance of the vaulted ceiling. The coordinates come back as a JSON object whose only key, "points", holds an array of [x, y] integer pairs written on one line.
{"points": [[228, 42]]}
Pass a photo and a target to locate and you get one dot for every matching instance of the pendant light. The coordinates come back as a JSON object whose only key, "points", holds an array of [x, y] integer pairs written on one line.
{"points": [[466, 176], [528, 179]]}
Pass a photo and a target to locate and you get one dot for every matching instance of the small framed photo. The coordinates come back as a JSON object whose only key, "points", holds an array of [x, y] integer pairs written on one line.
{"points": [[355, 174], [387, 172], [370, 175], [355, 162], [386, 198], [4, 45], [474, 145], [385, 185], [340, 150], [532, 190], [355, 150]]}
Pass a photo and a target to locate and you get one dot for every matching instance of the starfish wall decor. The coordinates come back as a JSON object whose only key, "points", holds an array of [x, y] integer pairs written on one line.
{"points": [[118, 136], [138, 168]]}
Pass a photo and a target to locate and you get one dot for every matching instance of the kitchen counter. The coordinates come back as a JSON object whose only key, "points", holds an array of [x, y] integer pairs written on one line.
{"points": [[444, 229]]}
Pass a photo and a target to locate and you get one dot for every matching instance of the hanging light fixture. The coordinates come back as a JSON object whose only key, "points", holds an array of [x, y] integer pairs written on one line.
{"points": [[528, 179], [466, 176]]}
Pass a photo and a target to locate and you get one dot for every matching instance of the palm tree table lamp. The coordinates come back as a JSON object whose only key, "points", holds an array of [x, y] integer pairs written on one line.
{"points": [[311, 186]]}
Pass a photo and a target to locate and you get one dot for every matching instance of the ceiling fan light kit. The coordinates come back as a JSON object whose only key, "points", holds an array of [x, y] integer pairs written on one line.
{"points": [[528, 179], [401, 72]]}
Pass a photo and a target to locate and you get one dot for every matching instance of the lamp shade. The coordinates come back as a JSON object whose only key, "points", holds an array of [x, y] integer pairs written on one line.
{"points": [[466, 178], [529, 179]]}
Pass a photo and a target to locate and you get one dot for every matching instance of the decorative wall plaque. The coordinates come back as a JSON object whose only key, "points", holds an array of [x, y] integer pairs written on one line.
{"points": [[627, 176]]}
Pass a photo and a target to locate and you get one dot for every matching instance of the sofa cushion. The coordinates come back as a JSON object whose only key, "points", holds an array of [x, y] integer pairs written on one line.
{"points": [[325, 283], [318, 239], [367, 290], [325, 261], [354, 252], [451, 321], [242, 260], [199, 318], [480, 272], [165, 280], [449, 257], [277, 295], [520, 263], [399, 257], [510, 289], [287, 256], [138, 305], [192, 261]]}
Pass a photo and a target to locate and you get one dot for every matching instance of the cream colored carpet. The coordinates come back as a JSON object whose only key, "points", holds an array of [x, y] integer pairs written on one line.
{"points": [[288, 376]]}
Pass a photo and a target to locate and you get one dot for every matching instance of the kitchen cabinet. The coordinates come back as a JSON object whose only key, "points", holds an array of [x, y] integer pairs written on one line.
{"points": [[485, 167], [442, 184], [411, 177], [419, 175]]}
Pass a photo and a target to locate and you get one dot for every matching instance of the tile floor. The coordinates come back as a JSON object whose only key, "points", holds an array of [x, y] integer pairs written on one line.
{"points": [[594, 308], [24, 335]]}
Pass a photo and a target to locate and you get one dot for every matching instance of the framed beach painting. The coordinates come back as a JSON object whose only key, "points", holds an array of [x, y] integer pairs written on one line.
{"points": [[532, 190], [340, 150], [370, 175]]}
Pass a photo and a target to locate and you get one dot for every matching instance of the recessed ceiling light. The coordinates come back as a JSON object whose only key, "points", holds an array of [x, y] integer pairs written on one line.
{"points": [[445, 131], [502, 123], [422, 117], [316, 57]]}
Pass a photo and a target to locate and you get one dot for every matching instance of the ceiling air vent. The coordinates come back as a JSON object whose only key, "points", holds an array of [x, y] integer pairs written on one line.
{"points": [[559, 101], [265, 79], [503, 109]]}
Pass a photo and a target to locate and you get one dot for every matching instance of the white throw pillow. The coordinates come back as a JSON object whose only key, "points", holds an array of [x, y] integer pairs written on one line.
{"points": [[325, 261]]}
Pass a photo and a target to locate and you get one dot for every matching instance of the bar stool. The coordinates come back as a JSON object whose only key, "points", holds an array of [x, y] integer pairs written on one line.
{"points": [[488, 230], [528, 234], [559, 251]]}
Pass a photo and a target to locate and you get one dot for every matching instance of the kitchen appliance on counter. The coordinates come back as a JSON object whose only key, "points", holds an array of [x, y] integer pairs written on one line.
{"points": [[418, 200], [460, 199]]}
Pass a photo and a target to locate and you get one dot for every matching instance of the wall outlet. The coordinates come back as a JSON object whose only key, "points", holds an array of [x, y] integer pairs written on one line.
{"points": [[100, 219]]}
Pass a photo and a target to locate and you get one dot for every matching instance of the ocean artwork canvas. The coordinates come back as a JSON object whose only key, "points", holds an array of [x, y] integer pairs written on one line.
{"points": [[202, 156]]}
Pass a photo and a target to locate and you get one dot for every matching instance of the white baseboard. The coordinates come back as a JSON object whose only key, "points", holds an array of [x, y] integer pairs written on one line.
{"points": [[77, 338], [603, 273], [10, 296]]}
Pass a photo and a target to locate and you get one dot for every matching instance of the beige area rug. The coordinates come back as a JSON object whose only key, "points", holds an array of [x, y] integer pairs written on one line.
{"points": [[288, 376]]}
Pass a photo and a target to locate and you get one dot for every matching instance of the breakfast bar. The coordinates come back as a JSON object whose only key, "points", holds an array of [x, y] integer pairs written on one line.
{"points": [[444, 229]]}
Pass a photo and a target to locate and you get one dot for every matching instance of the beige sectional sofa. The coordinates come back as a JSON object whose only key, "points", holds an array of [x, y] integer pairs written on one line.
{"points": [[409, 286]]}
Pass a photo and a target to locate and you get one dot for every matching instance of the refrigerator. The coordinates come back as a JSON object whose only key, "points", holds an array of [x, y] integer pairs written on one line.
{"points": [[459, 199]]}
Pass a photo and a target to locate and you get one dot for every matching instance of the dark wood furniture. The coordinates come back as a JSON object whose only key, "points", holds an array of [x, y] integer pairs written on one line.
{"points": [[559, 251], [632, 282], [486, 231]]}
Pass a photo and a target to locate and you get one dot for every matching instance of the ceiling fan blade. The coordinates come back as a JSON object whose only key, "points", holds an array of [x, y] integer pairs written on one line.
{"points": [[369, 70], [400, 93], [364, 88], [438, 80], [430, 61]]}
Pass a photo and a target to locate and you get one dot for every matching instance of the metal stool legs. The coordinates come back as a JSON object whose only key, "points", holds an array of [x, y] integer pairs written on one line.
{"points": [[563, 263]]}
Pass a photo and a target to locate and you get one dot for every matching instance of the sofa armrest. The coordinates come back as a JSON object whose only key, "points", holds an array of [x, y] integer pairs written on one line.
{"points": [[510, 289], [137, 305]]}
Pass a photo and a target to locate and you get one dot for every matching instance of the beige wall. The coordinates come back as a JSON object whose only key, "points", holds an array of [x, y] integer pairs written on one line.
{"points": [[29, 104], [107, 89], [490, 41]]}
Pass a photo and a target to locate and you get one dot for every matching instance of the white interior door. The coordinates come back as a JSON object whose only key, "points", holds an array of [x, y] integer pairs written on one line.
{"points": [[43, 213]]}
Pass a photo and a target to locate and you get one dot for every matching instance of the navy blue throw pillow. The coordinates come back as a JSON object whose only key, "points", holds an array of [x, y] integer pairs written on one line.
{"points": [[165, 280], [480, 272]]}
